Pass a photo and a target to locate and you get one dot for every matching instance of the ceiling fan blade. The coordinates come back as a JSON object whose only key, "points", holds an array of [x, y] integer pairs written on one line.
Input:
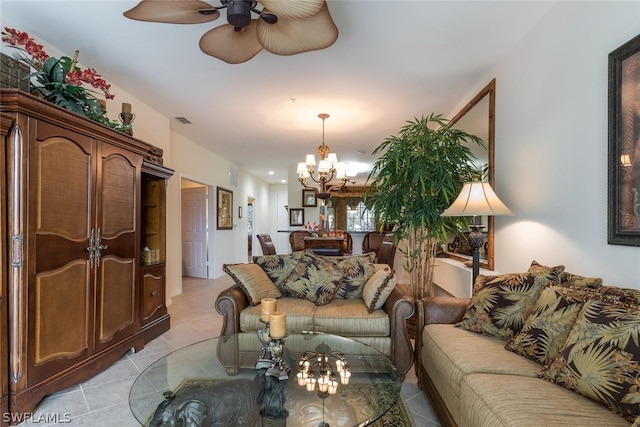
{"points": [[298, 9], [232, 47], [173, 11], [293, 36]]}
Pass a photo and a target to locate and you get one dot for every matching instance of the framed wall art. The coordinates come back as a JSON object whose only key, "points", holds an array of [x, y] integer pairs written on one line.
{"points": [[309, 199], [624, 145], [296, 217], [224, 217]]}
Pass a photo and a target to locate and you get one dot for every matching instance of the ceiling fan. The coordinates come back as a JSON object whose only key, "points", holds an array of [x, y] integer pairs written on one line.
{"points": [[284, 27]]}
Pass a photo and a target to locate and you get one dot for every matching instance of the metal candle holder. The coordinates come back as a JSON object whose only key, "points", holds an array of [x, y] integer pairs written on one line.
{"points": [[127, 119], [312, 364], [265, 358], [278, 368]]}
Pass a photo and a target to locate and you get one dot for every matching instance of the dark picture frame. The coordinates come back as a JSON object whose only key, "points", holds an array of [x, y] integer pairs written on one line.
{"points": [[296, 217], [224, 206], [309, 199], [624, 145]]}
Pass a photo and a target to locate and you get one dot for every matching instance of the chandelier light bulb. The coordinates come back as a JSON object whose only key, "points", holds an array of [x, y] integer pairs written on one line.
{"points": [[328, 168]]}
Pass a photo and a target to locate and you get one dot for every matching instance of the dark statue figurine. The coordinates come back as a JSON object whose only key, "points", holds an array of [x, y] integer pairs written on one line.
{"points": [[203, 403], [214, 403]]}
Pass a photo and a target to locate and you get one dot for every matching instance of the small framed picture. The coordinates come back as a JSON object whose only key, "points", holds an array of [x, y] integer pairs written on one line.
{"points": [[224, 218], [309, 199], [296, 216]]}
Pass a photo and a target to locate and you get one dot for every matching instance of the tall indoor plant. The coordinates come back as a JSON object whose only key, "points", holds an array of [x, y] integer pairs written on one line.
{"points": [[417, 176]]}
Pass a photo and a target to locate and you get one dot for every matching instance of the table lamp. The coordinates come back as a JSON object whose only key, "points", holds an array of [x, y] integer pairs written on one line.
{"points": [[477, 199]]}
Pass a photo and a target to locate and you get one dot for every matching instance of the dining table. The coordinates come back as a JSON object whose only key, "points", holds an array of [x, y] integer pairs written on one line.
{"points": [[331, 246]]}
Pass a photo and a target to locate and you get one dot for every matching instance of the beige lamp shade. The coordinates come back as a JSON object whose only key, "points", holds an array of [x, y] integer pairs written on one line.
{"points": [[477, 199]]}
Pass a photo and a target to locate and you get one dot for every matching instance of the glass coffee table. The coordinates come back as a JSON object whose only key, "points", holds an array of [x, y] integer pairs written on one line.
{"points": [[216, 383]]}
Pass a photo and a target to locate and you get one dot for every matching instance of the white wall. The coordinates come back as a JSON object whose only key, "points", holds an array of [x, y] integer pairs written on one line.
{"points": [[192, 161], [551, 143]]}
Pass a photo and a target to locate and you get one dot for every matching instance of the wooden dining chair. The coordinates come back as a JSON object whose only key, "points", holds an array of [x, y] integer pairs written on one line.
{"points": [[371, 241], [268, 248], [348, 243], [296, 239], [387, 251]]}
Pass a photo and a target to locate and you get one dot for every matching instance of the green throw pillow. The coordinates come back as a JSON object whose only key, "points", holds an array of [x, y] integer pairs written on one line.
{"points": [[546, 329], [357, 270], [601, 357], [278, 267], [501, 304], [314, 278], [570, 279]]}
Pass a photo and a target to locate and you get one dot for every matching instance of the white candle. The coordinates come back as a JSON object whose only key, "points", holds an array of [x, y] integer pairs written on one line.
{"points": [[344, 377], [333, 387], [277, 324], [302, 378], [311, 384], [267, 306]]}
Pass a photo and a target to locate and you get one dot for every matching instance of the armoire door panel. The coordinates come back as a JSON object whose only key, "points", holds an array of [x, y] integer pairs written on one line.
{"points": [[58, 251], [63, 188], [119, 188], [116, 314], [60, 276], [61, 316], [116, 285]]}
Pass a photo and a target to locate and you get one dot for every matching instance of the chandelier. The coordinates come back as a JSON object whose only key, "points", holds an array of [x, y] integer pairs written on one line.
{"points": [[328, 168]]}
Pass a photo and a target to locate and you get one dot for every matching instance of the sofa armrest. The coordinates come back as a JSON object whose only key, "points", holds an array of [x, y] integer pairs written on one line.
{"points": [[448, 310], [443, 309], [230, 303], [400, 306]]}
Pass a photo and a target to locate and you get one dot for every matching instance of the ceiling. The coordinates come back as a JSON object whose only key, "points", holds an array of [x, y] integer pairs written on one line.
{"points": [[393, 61]]}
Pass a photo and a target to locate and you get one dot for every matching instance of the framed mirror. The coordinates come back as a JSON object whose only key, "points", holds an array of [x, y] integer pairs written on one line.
{"points": [[478, 118]]}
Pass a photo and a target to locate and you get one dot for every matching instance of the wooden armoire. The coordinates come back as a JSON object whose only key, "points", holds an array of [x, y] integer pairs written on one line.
{"points": [[81, 202]]}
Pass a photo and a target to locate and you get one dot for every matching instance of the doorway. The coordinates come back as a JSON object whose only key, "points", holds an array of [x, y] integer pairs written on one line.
{"points": [[194, 229]]}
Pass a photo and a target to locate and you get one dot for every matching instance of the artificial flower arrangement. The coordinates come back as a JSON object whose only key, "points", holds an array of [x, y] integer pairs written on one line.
{"points": [[313, 227], [60, 80]]}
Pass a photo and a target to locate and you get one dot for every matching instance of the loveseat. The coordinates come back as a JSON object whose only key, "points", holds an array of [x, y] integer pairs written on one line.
{"points": [[539, 348], [348, 296]]}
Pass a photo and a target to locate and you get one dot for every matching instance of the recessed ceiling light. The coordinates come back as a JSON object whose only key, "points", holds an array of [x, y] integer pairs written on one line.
{"points": [[271, 172], [284, 181]]}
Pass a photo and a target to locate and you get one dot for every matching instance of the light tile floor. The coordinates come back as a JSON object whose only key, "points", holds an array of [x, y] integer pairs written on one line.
{"points": [[102, 401]]}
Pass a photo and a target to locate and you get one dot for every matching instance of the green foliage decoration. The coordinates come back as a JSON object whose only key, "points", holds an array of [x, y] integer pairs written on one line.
{"points": [[416, 177]]}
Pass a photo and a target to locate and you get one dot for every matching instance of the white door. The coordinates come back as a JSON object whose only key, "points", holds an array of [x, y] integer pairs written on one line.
{"points": [[194, 232]]}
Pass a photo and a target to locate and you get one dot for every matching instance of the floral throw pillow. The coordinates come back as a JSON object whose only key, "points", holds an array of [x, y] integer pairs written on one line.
{"points": [[570, 279], [357, 270], [278, 267], [314, 278], [601, 357], [546, 329], [541, 272], [501, 304]]}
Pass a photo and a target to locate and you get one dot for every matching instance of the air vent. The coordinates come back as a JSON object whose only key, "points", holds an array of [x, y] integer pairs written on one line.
{"points": [[183, 120]]}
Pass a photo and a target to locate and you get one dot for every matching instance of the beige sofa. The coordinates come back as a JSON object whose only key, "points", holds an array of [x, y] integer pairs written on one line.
{"points": [[471, 378], [355, 298]]}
